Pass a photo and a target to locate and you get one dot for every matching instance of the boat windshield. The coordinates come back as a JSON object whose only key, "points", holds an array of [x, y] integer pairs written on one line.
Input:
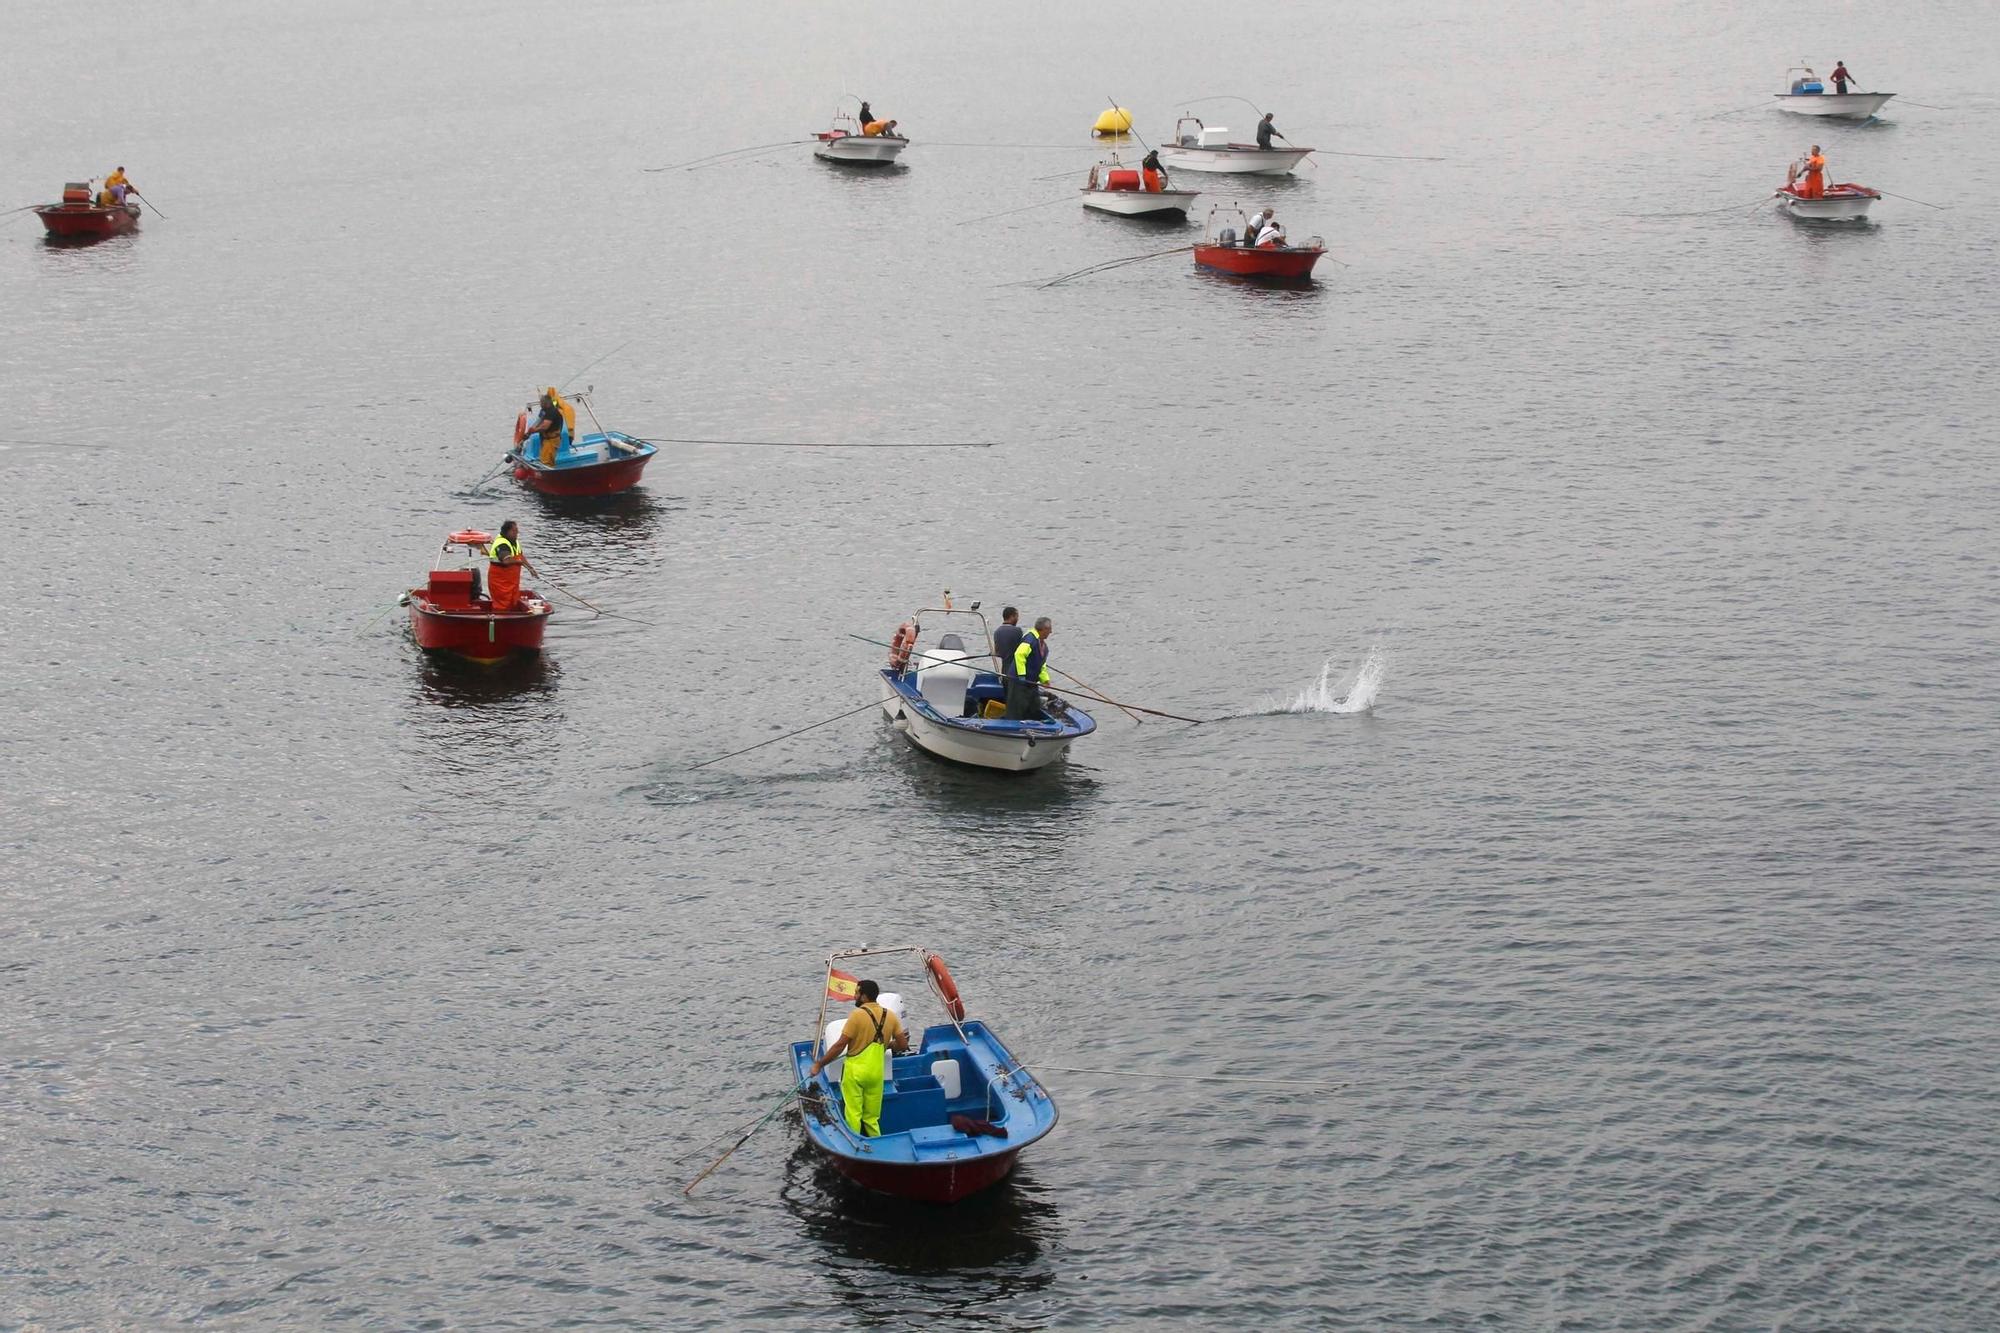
{"points": [[956, 632]]}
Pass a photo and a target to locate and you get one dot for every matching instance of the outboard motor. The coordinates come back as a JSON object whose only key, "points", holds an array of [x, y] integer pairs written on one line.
{"points": [[1228, 236]]}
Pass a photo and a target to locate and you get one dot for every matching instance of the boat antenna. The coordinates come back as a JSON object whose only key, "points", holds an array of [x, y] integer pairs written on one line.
{"points": [[593, 365]]}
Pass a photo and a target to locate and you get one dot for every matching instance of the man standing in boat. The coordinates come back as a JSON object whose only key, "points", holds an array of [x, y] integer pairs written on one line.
{"points": [[548, 427], [1841, 78], [870, 1032], [1265, 129], [503, 568], [1813, 183], [1006, 639], [1031, 672]]}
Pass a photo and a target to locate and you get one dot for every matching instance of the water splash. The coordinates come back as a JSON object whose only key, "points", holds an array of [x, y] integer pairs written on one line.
{"points": [[1344, 691]]}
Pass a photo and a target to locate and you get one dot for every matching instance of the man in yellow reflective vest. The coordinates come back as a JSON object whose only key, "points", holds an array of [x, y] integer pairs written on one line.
{"points": [[503, 568], [1031, 672], [870, 1033]]}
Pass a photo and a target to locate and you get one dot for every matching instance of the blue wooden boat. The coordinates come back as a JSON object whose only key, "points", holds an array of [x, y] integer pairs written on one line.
{"points": [[600, 462], [959, 1072], [943, 698]]}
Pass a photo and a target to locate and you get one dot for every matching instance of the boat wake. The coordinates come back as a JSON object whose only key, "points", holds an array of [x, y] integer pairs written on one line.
{"points": [[1344, 690]]}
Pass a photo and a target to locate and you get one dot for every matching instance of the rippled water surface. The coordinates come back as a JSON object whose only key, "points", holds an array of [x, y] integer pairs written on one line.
{"points": [[1592, 580]]}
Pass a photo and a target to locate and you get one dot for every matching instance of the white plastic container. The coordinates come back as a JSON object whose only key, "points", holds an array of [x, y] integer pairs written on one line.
{"points": [[945, 1070], [826, 1042], [1214, 136]]}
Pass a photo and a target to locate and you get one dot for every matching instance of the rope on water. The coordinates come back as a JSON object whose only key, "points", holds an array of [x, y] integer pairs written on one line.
{"points": [[1702, 213], [733, 152], [1111, 264], [818, 444], [988, 217], [1294, 1085], [1942, 208], [872, 703], [1388, 157]]}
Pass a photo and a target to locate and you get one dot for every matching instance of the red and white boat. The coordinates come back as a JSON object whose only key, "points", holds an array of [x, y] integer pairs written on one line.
{"points": [[79, 218], [1226, 249], [1845, 202], [449, 614], [1114, 187]]}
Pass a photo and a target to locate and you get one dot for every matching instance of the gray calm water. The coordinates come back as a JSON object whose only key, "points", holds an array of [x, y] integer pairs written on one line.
{"points": [[1629, 963]]}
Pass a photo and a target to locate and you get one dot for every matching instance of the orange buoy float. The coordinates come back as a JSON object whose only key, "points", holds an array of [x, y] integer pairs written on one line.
{"points": [[946, 988], [901, 646], [521, 428]]}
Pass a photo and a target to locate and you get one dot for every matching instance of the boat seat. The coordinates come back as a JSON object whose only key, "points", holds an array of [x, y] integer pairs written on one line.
{"points": [[951, 643], [986, 686], [943, 687], [912, 1103]]}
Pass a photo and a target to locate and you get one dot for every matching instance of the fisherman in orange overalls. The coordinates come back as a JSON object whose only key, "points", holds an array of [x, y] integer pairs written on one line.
{"points": [[503, 568], [1813, 184]]}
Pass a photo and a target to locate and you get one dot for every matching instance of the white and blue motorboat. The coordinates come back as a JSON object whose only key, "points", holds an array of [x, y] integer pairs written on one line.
{"points": [[947, 698]]}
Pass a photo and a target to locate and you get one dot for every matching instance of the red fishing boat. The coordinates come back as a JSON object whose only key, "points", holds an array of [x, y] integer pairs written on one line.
{"points": [[449, 614], [79, 218], [1228, 249]]}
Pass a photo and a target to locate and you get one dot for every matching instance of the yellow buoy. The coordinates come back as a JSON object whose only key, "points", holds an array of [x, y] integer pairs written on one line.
{"points": [[1116, 120]]}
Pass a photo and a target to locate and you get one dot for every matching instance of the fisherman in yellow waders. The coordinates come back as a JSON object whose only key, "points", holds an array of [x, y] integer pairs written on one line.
{"points": [[870, 1032], [556, 424]]}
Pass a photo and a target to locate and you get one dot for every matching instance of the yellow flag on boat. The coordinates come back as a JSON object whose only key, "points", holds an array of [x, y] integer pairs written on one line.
{"points": [[841, 986]]}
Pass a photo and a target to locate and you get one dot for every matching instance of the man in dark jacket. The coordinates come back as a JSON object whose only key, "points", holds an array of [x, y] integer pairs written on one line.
{"points": [[1265, 129], [1006, 639]]}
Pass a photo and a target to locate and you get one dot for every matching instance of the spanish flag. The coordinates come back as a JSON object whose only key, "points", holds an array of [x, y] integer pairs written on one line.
{"points": [[841, 986]]}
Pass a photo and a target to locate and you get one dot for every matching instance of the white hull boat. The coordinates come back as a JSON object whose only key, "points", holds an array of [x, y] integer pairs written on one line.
{"points": [[866, 150], [1113, 187], [938, 698], [1236, 159], [1840, 203], [1139, 203], [1839, 106], [1199, 147]]}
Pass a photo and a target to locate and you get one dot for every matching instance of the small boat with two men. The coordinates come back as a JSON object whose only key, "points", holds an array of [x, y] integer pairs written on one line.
{"points": [[1199, 147], [1807, 95], [1255, 246], [960, 697], [1144, 190], [936, 1118], [86, 215], [553, 457], [860, 139]]}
